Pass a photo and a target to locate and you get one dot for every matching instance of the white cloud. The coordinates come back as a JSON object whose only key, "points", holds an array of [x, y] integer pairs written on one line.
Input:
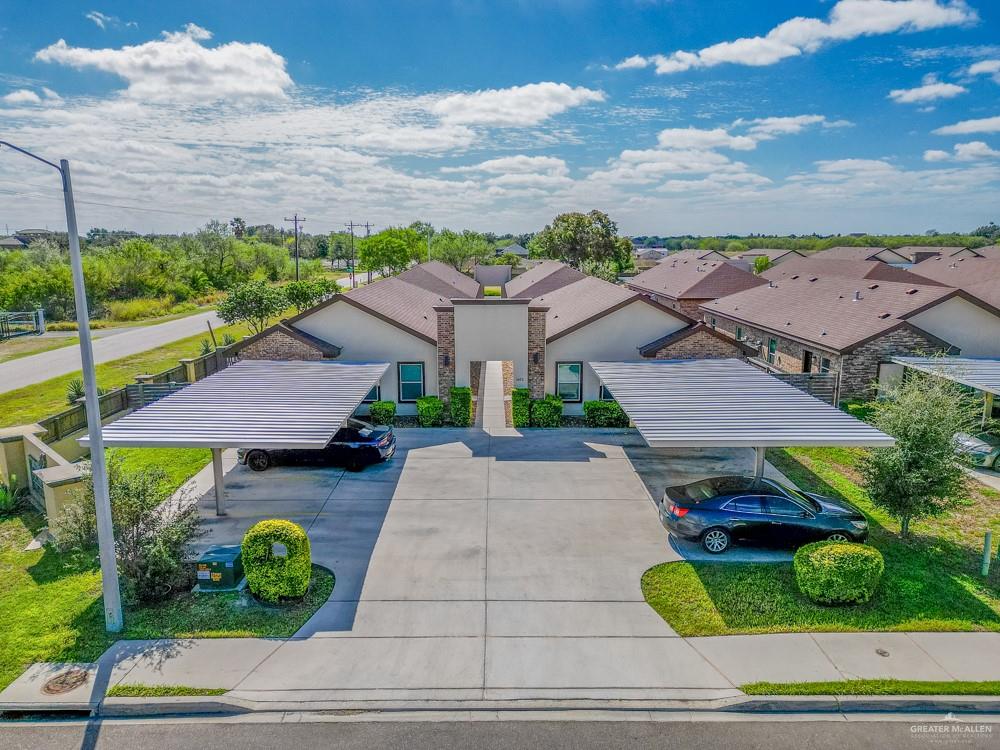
{"points": [[848, 19], [936, 155], [104, 21], [965, 127], [22, 96], [931, 89], [693, 138], [516, 106], [179, 67], [987, 68], [520, 164], [767, 128], [971, 151]]}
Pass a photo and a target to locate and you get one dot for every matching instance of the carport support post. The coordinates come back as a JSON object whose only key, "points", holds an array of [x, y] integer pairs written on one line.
{"points": [[987, 408], [220, 482], [759, 461]]}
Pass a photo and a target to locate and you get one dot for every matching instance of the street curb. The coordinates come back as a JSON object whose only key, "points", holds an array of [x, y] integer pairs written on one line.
{"points": [[171, 705], [869, 703]]}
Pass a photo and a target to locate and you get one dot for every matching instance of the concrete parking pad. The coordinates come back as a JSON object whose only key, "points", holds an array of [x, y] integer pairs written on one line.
{"points": [[574, 619], [396, 619], [786, 657]]}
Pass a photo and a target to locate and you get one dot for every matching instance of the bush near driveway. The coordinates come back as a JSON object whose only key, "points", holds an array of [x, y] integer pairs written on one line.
{"points": [[547, 412], [604, 414], [461, 406], [430, 411], [838, 572], [382, 412], [520, 402], [272, 577]]}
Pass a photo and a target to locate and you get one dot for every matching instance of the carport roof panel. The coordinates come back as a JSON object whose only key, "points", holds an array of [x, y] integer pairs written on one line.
{"points": [[726, 403], [981, 373], [253, 403]]}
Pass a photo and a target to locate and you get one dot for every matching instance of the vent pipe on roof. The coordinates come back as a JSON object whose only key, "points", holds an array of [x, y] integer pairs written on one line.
{"points": [[770, 284], [857, 295]]}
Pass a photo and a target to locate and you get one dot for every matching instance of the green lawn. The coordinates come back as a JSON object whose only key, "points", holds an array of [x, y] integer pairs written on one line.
{"points": [[872, 687], [25, 346], [160, 691], [179, 464], [50, 607], [40, 400], [931, 582]]}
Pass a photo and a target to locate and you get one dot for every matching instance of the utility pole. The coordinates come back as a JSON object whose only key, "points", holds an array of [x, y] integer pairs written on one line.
{"points": [[368, 233], [350, 225], [113, 620], [296, 220]]}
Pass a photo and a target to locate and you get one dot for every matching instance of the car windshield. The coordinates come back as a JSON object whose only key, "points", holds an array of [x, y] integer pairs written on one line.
{"points": [[364, 429], [792, 493], [715, 486]]}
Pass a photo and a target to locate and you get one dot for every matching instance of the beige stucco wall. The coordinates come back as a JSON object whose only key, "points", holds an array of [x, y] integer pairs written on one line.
{"points": [[972, 329], [615, 337], [491, 330], [365, 338]]}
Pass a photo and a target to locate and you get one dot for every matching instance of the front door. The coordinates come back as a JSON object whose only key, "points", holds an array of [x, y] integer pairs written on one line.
{"points": [[807, 361]]}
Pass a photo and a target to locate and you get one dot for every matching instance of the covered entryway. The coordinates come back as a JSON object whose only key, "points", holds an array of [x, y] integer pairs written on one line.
{"points": [[726, 403], [253, 403]]}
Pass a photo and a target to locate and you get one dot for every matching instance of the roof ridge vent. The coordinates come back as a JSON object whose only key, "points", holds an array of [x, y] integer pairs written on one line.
{"points": [[814, 278], [795, 276], [873, 286], [884, 315], [912, 291]]}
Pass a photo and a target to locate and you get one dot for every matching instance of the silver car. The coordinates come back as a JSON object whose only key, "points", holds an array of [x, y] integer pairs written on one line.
{"points": [[981, 449]]}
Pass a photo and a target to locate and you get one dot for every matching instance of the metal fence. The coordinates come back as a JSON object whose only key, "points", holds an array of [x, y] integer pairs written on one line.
{"points": [[21, 324]]}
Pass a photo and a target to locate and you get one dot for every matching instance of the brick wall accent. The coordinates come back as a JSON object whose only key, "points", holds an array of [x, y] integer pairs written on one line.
{"points": [[691, 307], [701, 345], [508, 387], [536, 346], [445, 348], [788, 357], [278, 345], [860, 367]]}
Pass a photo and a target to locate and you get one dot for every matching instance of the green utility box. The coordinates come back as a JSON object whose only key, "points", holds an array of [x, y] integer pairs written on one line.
{"points": [[220, 569]]}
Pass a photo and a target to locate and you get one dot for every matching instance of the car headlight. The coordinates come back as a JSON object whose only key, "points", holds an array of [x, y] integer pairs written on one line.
{"points": [[859, 524]]}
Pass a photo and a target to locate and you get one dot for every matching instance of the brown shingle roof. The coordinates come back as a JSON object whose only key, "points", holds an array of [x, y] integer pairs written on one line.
{"points": [[909, 250], [825, 312], [872, 270], [650, 349], [401, 303], [849, 252], [684, 278], [442, 279], [990, 251], [979, 277], [774, 253], [547, 276]]}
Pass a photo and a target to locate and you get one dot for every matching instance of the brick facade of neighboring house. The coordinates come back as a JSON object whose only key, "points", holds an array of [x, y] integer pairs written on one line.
{"points": [[445, 350], [281, 342], [536, 351], [699, 342], [858, 368]]}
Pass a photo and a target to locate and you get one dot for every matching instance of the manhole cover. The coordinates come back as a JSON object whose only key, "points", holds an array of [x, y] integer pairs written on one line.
{"points": [[65, 681]]}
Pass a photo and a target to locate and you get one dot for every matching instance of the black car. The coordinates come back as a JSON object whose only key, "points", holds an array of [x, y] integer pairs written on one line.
{"points": [[721, 510], [357, 444]]}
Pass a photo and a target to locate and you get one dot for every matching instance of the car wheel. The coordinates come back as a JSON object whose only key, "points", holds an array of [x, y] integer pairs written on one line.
{"points": [[838, 536], [715, 541], [258, 460]]}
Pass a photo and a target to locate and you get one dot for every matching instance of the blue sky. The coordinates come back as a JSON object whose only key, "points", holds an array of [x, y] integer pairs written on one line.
{"points": [[674, 116]]}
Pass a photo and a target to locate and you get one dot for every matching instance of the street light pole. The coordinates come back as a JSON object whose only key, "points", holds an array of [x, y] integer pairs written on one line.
{"points": [[113, 620]]}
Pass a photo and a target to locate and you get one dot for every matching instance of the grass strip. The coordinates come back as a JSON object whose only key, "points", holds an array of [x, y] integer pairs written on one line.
{"points": [[873, 687], [160, 691]]}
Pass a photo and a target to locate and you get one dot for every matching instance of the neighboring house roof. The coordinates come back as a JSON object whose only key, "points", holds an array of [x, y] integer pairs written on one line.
{"points": [[547, 276], [650, 349], [650, 254], [440, 278], [825, 312], [12, 243], [848, 252], [686, 278], [697, 255], [492, 275], [515, 249], [910, 250], [774, 253], [990, 251], [873, 270], [584, 301], [979, 277]]}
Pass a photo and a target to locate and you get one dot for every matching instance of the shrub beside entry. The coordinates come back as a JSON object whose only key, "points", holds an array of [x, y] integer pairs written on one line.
{"points": [[604, 414], [382, 412], [461, 406], [547, 412], [838, 572], [273, 577], [430, 411], [520, 402]]}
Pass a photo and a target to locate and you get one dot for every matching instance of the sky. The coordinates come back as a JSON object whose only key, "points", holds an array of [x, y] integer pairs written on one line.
{"points": [[673, 116]]}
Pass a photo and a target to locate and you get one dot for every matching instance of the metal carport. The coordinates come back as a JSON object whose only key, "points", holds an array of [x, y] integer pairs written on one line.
{"points": [[253, 403], [980, 373], [726, 403]]}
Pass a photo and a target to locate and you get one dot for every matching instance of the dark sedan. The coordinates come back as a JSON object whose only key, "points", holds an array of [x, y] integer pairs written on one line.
{"points": [[357, 444], [722, 510]]}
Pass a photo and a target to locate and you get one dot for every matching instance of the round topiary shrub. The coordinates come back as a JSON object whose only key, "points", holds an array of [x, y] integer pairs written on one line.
{"points": [[277, 560], [838, 572]]}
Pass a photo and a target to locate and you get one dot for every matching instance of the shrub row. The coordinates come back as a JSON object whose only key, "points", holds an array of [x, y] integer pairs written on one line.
{"points": [[604, 414], [546, 412], [461, 406], [520, 400], [430, 411], [382, 412]]}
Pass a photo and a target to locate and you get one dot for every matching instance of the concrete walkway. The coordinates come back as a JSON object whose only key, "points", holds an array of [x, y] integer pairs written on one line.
{"points": [[25, 371], [491, 415]]}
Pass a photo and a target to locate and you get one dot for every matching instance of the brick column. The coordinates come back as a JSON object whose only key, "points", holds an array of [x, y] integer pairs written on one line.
{"points": [[536, 351], [445, 350]]}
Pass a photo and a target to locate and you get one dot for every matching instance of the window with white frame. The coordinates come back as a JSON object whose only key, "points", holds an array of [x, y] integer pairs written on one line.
{"points": [[375, 394], [411, 381], [569, 381]]}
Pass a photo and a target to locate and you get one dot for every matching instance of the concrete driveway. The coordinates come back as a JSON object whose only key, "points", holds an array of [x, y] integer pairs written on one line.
{"points": [[477, 566]]}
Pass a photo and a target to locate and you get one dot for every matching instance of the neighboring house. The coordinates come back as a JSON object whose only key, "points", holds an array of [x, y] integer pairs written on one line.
{"points": [[990, 251], [918, 253], [492, 275], [434, 325], [828, 323], [684, 283], [871, 270], [651, 255], [12, 243], [698, 255], [883, 254], [774, 254], [979, 277], [515, 249]]}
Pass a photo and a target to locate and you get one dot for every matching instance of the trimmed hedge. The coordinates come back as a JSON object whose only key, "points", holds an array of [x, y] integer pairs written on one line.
{"points": [[520, 402], [430, 411], [274, 577], [461, 406], [382, 412], [838, 572], [547, 412], [604, 414]]}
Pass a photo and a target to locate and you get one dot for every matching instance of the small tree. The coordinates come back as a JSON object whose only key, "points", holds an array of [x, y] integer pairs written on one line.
{"points": [[253, 303], [920, 475], [304, 294], [390, 251], [761, 263]]}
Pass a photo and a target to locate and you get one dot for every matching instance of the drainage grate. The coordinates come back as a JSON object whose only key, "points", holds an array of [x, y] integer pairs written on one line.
{"points": [[65, 681]]}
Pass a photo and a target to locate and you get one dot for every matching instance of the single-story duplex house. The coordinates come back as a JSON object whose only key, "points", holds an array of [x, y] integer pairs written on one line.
{"points": [[871, 270], [685, 283], [775, 254], [979, 277], [917, 253], [435, 326], [849, 252], [990, 251], [515, 249], [829, 323]]}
